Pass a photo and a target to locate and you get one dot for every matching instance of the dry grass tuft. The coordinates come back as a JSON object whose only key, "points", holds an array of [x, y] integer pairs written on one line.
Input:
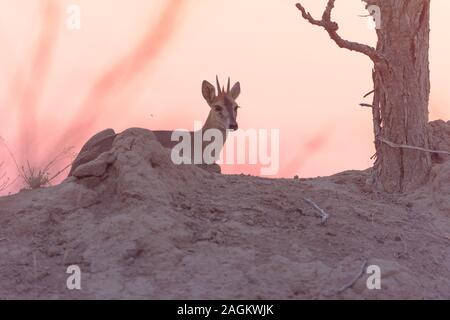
{"points": [[35, 177]]}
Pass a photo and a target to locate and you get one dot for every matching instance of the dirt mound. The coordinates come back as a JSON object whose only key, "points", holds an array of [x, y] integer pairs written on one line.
{"points": [[140, 227]]}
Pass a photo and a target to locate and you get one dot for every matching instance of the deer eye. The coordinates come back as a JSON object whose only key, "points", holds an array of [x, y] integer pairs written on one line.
{"points": [[218, 108]]}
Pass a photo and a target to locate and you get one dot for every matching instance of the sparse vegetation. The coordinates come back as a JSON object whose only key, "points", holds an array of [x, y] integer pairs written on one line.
{"points": [[4, 180], [34, 177]]}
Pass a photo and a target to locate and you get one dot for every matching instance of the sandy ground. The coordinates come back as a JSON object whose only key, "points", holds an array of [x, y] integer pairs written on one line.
{"points": [[140, 227]]}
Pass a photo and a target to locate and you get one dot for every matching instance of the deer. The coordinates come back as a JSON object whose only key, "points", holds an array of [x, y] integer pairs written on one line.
{"points": [[222, 117]]}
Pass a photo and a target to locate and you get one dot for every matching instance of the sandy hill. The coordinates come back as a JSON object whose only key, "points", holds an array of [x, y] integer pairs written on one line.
{"points": [[140, 227]]}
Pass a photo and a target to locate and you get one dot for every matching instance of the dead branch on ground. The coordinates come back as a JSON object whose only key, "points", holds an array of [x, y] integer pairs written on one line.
{"points": [[323, 215], [352, 283]]}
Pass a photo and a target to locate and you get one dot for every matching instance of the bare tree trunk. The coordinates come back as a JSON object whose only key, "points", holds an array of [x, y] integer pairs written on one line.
{"points": [[401, 78], [402, 88]]}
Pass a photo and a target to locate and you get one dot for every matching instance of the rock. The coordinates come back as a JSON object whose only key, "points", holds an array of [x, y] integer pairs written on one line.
{"points": [[85, 165], [96, 167], [439, 136], [95, 146], [440, 186], [135, 164]]}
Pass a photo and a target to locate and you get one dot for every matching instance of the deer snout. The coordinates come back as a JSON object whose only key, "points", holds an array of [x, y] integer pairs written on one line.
{"points": [[233, 126]]}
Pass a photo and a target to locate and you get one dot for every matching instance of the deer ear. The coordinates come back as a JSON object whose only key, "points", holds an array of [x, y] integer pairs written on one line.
{"points": [[235, 91], [208, 91]]}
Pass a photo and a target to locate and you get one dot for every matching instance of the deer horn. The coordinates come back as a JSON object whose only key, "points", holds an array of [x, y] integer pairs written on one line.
{"points": [[228, 86], [218, 85]]}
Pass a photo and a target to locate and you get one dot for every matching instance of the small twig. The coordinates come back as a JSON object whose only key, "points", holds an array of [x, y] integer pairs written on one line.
{"points": [[3, 143], [369, 93], [352, 283], [405, 146], [59, 172], [323, 215], [366, 105]]}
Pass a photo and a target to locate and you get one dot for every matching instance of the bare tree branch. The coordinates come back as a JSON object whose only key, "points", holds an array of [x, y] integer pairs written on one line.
{"points": [[405, 146], [332, 27], [369, 93]]}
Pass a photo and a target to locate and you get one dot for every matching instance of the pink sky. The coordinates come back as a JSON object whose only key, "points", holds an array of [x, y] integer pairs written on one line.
{"points": [[141, 63]]}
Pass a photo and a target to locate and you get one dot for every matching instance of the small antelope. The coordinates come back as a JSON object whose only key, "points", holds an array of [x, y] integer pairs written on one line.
{"points": [[222, 115]]}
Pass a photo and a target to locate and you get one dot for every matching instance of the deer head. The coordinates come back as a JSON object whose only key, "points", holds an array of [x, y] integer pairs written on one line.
{"points": [[223, 105]]}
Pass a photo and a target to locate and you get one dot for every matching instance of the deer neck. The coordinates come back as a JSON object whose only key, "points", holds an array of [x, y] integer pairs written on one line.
{"points": [[210, 124]]}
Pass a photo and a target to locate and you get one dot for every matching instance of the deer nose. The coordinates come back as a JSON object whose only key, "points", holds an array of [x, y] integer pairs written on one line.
{"points": [[234, 126]]}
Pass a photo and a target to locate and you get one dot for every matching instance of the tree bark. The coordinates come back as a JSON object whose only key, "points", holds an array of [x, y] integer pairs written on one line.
{"points": [[402, 89]]}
